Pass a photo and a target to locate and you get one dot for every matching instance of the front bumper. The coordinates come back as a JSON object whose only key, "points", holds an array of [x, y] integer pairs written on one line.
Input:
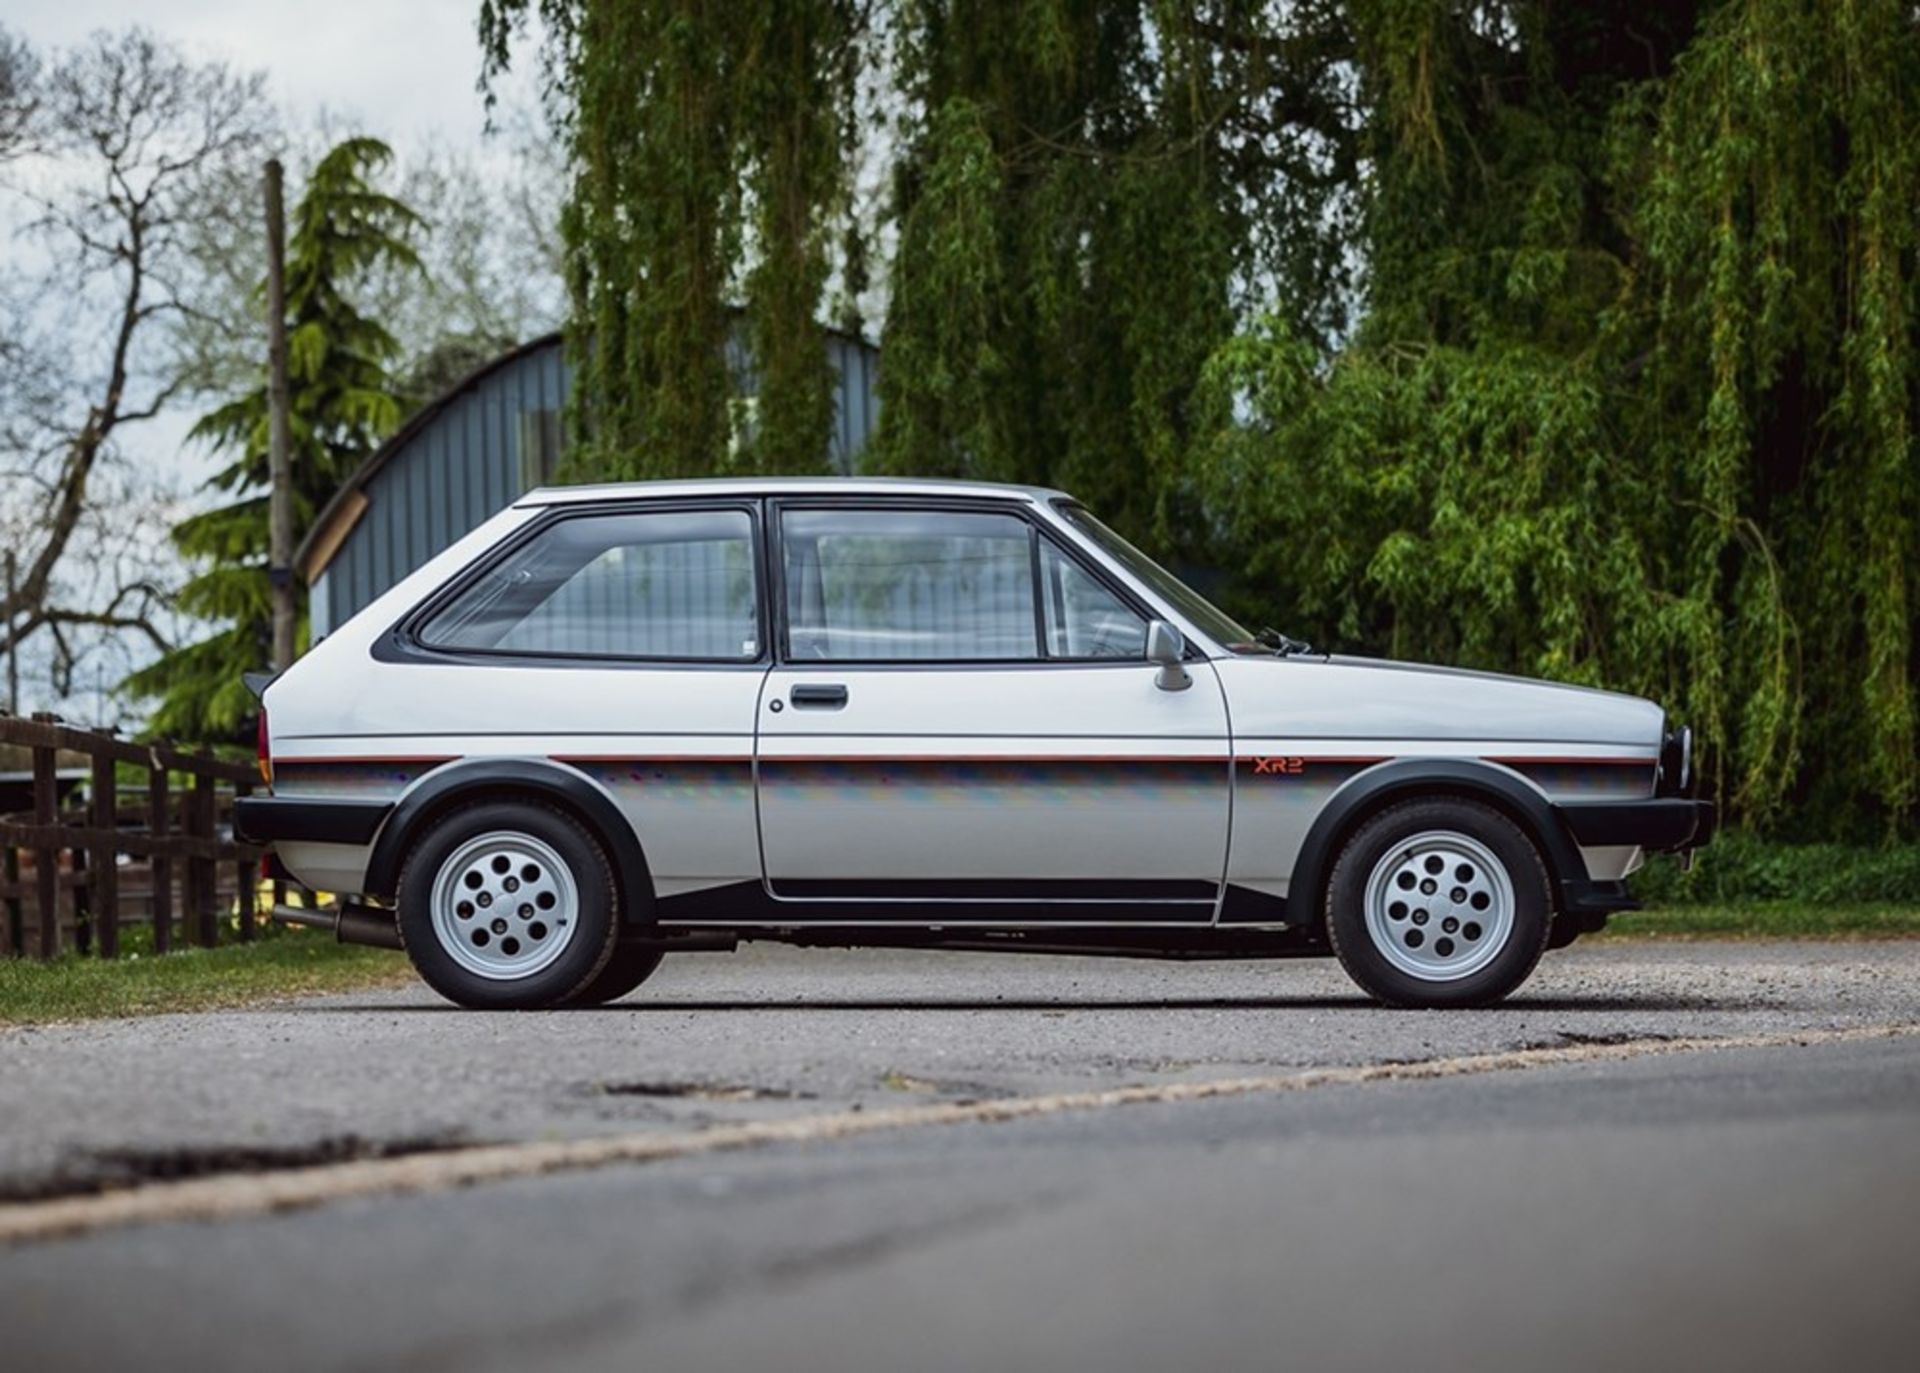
{"points": [[1660, 824]]}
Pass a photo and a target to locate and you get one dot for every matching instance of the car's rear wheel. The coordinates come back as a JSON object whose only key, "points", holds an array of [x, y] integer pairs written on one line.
{"points": [[630, 965], [508, 905], [1439, 902]]}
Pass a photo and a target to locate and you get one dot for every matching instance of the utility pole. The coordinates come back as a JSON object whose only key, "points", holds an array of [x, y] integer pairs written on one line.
{"points": [[280, 429], [13, 646]]}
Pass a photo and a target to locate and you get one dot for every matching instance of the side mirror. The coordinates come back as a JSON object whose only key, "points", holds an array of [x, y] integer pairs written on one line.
{"points": [[1167, 646]]}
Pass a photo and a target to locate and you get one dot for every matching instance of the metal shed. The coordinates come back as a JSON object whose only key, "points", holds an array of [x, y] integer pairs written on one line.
{"points": [[495, 435]]}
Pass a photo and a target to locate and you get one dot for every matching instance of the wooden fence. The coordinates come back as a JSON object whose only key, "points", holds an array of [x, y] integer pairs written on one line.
{"points": [[64, 879]]}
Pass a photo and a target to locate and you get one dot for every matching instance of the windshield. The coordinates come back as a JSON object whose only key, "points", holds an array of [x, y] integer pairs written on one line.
{"points": [[1204, 614]]}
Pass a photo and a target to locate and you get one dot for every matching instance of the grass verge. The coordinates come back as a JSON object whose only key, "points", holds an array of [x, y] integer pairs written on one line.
{"points": [[290, 963], [1768, 920]]}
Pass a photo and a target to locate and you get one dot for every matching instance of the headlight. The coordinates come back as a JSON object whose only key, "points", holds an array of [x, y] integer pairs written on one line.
{"points": [[1676, 762]]}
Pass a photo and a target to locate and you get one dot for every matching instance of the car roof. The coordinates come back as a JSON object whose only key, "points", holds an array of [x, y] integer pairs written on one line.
{"points": [[783, 486]]}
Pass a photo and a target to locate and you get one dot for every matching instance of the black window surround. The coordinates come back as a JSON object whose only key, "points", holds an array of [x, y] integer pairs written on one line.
{"points": [[401, 644], [774, 561]]}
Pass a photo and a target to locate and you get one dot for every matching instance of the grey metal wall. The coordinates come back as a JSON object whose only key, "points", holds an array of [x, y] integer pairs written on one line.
{"points": [[468, 461], [856, 369]]}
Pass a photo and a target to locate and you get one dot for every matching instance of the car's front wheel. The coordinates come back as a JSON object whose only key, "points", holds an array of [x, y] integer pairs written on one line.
{"points": [[508, 905], [1437, 902]]}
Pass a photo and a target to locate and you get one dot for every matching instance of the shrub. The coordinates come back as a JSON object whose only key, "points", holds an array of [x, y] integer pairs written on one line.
{"points": [[1738, 867]]}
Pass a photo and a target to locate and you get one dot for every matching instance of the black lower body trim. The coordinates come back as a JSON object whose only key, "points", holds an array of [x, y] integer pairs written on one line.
{"points": [[1584, 897], [308, 820], [1663, 823], [747, 903], [1201, 943], [1244, 906], [997, 889]]}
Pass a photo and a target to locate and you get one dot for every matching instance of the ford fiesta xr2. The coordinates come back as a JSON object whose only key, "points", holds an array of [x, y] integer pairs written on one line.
{"points": [[618, 721]]}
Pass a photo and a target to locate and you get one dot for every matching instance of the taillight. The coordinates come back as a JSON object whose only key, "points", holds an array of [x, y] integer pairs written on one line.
{"points": [[260, 751]]}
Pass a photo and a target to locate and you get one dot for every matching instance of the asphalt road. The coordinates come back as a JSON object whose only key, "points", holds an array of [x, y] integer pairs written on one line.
{"points": [[1729, 1208]]}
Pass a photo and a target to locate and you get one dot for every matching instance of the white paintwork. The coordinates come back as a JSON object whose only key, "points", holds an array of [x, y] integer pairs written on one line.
{"points": [[1333, 704], [657, 739], [326, 867], [1361, 708], [989, 822]]}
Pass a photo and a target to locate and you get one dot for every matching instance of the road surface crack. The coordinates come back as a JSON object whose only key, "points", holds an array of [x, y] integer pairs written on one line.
{"points": [[98, 1171], [227, 1196]]}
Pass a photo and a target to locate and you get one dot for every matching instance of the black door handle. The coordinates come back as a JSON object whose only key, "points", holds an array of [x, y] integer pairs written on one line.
{"points": [[821, 695]]}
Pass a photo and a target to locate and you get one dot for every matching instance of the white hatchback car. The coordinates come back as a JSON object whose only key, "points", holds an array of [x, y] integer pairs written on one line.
{"points": [[619, 721]]}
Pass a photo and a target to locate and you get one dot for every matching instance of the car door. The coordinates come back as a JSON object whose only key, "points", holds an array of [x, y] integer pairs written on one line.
{"points": [[961, 726]]}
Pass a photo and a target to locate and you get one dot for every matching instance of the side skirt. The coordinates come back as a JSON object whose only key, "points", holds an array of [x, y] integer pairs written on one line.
{"points": [[1183, 945], [741, 904]]}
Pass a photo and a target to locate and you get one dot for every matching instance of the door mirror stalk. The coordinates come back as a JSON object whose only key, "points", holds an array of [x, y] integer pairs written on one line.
{"points": [[1167, 646]]}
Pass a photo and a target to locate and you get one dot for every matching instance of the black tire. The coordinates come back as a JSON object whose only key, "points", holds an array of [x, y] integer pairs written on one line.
{"points": [[594, 920], [630, 965], [1375, 842]]}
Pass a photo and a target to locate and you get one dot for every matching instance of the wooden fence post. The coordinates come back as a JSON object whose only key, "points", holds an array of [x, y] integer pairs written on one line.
{"points": [[105, 860], [206, 916], [13, 937], [246, 871], [160, 864], [46, 857], [75, 851]]}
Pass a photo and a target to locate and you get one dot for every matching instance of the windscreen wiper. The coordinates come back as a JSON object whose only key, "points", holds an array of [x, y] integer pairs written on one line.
{"points": [[1283, 646]]}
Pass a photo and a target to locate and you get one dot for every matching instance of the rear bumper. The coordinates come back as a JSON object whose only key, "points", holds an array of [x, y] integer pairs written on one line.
{"points": [[308, 820], [1661, 824]]}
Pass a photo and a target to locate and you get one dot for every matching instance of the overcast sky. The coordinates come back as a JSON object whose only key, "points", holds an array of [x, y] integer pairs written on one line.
{"points": [[407, 67], [402, 70]]}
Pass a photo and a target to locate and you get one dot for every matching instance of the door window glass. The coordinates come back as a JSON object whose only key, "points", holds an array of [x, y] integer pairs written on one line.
{"points": [[1084, 619], [880, 585], [657, 584]]}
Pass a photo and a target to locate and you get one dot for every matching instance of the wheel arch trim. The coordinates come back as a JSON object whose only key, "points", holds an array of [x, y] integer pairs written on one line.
{"points": [[1407, 778], [473, 778]]}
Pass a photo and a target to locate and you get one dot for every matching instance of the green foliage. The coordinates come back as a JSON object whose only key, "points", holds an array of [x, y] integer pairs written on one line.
{"points": [[1743, 868], [695, 128], [1571, 339], [1766, 920], [1632, 398], [343, 403], [1083, 187]]}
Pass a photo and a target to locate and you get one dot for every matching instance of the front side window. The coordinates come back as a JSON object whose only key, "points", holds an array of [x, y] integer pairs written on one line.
{"points": [[1083, 617], [1183, 598], [891, 585], [673, 584]]}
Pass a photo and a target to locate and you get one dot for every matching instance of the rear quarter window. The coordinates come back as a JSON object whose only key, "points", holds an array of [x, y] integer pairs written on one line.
{"points": [[671, 584]]}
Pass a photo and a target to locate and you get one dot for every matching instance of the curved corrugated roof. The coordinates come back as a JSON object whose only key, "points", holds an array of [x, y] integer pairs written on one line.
{"points": [[342, 505]]}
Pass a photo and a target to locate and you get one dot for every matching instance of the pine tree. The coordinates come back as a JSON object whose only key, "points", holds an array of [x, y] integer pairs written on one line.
{"points": [[343, 404]]}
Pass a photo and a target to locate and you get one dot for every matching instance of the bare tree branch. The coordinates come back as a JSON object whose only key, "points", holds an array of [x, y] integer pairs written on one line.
{"points": [[121, 140]]}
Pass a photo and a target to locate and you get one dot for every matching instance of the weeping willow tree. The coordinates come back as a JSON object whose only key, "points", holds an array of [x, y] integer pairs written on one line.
{"points": [[1085, 193], [697, 130], [1632, 397], [1080, 189], [1572, 339]]}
